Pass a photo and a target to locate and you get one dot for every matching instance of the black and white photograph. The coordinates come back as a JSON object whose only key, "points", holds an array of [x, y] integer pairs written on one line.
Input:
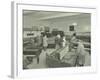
{"points": [[55, 39]]}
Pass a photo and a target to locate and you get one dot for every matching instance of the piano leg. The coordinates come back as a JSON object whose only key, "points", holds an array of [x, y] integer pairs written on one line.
{"points": [[37, 59]]}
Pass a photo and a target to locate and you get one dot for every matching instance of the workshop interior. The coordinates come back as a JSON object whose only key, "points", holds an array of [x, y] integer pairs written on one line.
{"points": [[56, 39]]}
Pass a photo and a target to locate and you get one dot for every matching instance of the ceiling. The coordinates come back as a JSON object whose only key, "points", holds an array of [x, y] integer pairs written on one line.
{"points": [[48, 15]]}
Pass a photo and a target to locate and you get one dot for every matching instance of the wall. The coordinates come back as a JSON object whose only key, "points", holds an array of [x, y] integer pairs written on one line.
{"points": [[29, 21], [63, 23], [83, 23]]}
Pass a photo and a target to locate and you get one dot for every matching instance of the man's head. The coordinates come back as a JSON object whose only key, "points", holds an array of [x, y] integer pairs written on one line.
{"points": [[74, 34]]}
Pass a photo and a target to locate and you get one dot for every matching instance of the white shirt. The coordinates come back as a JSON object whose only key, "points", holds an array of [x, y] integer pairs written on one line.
{"points": [[81, 53], [80, 49], [45, 43]]}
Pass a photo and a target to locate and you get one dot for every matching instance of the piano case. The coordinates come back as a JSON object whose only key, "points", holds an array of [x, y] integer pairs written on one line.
{"points": [[53, 60]]}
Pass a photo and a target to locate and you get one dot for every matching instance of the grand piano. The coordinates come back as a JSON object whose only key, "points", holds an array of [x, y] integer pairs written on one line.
{"points": [[32, 47], [32, 52]]}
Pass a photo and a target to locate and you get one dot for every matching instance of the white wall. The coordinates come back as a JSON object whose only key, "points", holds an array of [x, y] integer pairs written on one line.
{"points": [[29, 21], [84, 23]]}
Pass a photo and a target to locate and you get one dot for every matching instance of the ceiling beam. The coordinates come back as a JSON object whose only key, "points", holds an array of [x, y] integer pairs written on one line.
{"points": [[59, 15]]}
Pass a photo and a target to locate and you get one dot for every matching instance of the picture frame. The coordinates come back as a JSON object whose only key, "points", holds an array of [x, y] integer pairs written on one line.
{"points": [[17, 36]]}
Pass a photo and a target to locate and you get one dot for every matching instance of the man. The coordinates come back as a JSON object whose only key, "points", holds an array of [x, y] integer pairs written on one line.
{"points": [[73, 41], [45, 42], [58, 41], [80, 52], [63, 41]]}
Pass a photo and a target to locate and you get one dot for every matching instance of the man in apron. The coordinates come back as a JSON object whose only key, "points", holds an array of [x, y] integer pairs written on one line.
{"points": [[80, 52]]}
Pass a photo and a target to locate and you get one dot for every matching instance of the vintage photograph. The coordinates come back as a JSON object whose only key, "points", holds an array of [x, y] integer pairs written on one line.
{"points": [[56, 39]]}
